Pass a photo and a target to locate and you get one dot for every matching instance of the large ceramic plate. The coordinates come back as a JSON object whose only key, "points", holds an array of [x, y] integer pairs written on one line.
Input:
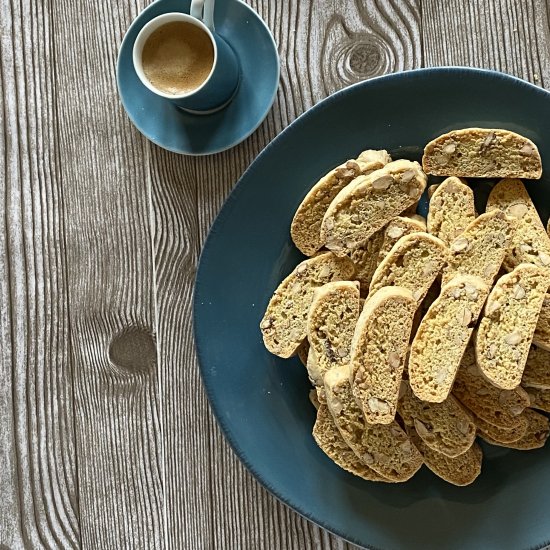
{"points": [[261, 402]]}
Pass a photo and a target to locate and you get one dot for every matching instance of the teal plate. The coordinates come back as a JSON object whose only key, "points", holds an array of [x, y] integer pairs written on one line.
{"points": [[261, 401]]}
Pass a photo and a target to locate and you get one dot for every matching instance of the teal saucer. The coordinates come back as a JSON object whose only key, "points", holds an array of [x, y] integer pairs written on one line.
{"points": [[169, 127]]}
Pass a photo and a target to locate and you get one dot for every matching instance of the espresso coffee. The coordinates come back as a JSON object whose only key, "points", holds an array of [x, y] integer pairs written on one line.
{"points": [[177, 57]]}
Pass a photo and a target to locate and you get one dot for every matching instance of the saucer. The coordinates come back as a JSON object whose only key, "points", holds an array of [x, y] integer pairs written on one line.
{"points": [[167, 126]]}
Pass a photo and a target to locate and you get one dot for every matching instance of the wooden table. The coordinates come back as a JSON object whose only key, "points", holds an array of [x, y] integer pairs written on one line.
{"points": [[106, 437]]}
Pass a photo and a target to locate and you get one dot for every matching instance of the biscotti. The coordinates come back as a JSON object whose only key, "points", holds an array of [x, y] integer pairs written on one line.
{"points": [[539, 398], [284, 323], [451, 210], [530, 242], [535, 437], [481, 248], [502, 435], [442, 337], [537, 369], [506, 329], [414, 262], [542, 332], [397, 228], [366, 260], [331, 323], [385, 448], [369, 203], [306, 225], [330, 441], [497, 407], [444, 427], [378, 352], [482, 153], [461, 470]]}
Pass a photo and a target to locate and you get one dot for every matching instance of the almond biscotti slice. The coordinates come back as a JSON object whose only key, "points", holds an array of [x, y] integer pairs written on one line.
{"points": [[399, 227], [366, 260], [414, 262], [539, 399], [481, 248], [482, 153], [530, 242], [498, 407], [541, 338], [330, 441], [386, 448], [331, 322], [306, 224], [378, 351], [537, 369], [284, 323], [442, 337], [460, 470], [369, 203], [451, 210], [535, 437], [502, 435], [444, 427], [506, 329]]}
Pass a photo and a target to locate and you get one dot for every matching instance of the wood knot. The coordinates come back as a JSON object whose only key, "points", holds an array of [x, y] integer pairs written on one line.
{"points": [[352, 57], [133, 350], [364, 58]]}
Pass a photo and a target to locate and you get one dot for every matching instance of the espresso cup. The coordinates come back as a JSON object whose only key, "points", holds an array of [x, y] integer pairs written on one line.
{"points": [[181, 58]]}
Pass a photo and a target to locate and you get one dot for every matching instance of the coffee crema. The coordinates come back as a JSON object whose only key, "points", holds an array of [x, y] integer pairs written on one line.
{"points": [[177, 57]]}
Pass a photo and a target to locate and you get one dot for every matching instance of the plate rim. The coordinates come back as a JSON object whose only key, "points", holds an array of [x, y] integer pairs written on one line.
{"points": [[221, 216]]}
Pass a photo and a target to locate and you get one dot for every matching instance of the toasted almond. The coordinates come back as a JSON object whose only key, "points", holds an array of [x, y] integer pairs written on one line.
{"points": [[368, 459], [422, 431], [492, 307], [518, 210], [463, 426], [518, 292], [527, 149], [450, 148], [394, 360], [407, 176], [342, 352], [514, 338], [488, 141], [395, 232], [464, 316], [460, 244], [266, 323], [377, 405], [382, 182], [544, 258], [329, 223]]}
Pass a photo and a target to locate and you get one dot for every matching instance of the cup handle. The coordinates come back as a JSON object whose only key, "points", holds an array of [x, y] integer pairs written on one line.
{"points": [[203, 10]]}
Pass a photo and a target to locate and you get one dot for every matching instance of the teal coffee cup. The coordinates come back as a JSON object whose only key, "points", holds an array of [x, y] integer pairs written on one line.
{"points": [[181, 58]]}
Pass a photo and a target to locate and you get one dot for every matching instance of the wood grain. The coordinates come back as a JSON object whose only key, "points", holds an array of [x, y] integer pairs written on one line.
{"points": [[508, 35], [110, 278], [38, 487]]}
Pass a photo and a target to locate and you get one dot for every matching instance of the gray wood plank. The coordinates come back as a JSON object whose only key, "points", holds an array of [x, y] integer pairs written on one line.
{"points": [[102, 164], [222, 506], [38, 486], [512, 36]]}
